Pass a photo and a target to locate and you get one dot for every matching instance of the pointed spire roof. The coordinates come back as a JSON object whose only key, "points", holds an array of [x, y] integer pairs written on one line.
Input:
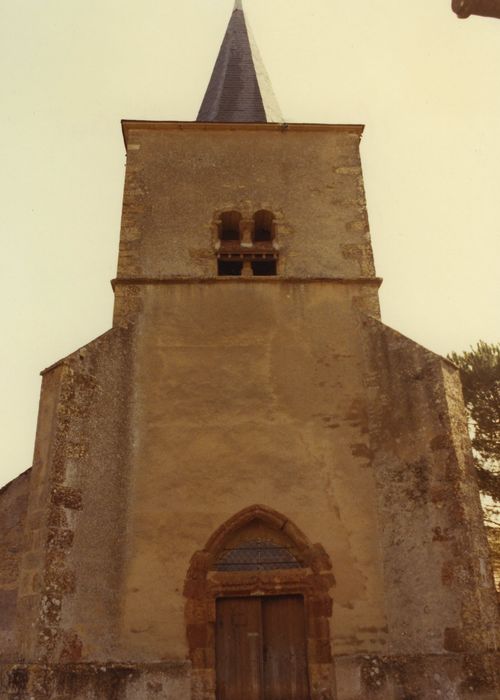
{"points": [[239, 89]]}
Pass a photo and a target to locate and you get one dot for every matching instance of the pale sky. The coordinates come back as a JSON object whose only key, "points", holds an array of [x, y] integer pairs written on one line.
{"points": [[426, 85]]}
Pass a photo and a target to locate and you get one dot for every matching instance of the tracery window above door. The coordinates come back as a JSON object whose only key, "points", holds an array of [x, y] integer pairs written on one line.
{"points": [[256, 555]]}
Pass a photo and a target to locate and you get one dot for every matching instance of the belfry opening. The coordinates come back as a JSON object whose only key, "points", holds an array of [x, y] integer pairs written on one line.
{"points": [[246, 246], [249, 487]]}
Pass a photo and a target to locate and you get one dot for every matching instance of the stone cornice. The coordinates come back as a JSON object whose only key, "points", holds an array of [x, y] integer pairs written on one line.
{"points": [[126, 281], [129, 125]]}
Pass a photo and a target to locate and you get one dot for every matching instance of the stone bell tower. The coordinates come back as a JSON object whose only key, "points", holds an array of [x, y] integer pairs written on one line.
{"points": [[250, 488]]}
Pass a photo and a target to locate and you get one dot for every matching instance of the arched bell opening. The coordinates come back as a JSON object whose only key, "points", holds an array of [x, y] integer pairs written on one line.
{"points": [[229, 227], [245, 247], [263, 226], [257, 595]]}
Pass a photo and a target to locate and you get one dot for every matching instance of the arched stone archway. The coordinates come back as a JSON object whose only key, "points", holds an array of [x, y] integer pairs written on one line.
{"points": [[312, 579]]}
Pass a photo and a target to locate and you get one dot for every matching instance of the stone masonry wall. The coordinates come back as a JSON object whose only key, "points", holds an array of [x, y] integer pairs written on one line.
{"points": [[439, 588], [248, 393], [13, 506], [161, 681], [70, 568]]}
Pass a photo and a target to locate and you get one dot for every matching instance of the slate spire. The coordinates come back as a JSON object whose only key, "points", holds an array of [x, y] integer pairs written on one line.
{"points": [[239, 89]]}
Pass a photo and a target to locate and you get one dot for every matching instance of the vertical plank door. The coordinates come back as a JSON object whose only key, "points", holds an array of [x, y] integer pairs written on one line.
{"points": [[239, 649], [285, 653]]}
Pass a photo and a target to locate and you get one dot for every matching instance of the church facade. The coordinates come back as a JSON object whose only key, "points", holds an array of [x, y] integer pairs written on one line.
{"points": [[250, 488]]}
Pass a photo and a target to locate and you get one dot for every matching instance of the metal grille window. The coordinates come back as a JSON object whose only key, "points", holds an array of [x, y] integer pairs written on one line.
{"points": [[256, 555]]}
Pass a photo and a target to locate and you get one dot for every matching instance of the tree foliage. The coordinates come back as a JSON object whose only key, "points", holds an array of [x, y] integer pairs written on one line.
{"points": [[480, 372]]}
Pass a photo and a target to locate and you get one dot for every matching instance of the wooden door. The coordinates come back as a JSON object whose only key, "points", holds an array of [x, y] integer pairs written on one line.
{"points": [[238, 649], [261, 649], [285, 656]]}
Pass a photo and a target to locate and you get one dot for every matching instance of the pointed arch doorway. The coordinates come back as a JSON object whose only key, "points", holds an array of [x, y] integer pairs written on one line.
{"points": [[257, 612]]}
